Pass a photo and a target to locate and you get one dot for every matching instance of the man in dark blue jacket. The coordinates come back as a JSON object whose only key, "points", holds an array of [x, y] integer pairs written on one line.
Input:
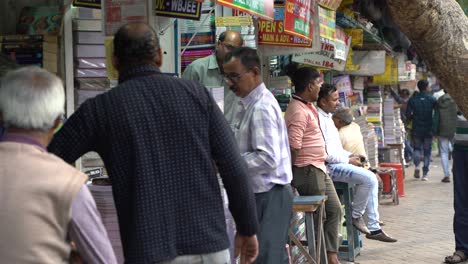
{"points": [[420, 110]]}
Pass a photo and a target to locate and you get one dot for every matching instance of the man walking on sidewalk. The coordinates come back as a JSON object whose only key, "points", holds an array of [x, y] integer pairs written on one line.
{"points": [[419, 110], [445, 118]]}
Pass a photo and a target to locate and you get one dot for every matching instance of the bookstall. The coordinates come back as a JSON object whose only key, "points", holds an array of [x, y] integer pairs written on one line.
{"points": [[73, 38]]}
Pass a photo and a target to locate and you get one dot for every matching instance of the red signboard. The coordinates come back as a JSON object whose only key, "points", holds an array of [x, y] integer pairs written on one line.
{"points": [[272, 32], [298, 17], [259, 8]]}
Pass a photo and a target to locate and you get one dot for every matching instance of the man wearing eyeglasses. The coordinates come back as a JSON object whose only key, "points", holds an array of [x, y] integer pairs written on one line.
{"points": [[209, 70], [261, 135]]}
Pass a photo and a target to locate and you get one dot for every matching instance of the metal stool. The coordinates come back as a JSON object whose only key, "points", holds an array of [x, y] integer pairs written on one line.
{"points": [[317, 253], [385, 172], [352, 246]]}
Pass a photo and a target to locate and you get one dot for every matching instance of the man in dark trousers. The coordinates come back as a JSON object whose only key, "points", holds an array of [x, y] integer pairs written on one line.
{"points": [[460, 194], [420, 110], [158, 137]]}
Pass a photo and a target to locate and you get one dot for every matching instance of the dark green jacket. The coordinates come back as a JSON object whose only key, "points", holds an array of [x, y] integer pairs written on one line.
{"points": [[445, 117]]}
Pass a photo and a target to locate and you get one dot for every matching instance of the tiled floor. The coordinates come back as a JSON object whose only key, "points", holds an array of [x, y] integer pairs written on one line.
{"points": [[422, 223]]}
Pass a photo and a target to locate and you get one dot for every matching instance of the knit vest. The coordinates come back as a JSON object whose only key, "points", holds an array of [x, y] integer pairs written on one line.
{"points": [[36, 193]]}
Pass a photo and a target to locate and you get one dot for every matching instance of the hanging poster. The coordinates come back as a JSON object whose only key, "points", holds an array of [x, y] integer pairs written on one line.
{"points": [[121, 12], [327, 20], [88, 3], [272, 32], [325, 58], [331, 4], [188, 9], [298, 17], [371, 62], [259, 8], [340, 44], [343, 84]]}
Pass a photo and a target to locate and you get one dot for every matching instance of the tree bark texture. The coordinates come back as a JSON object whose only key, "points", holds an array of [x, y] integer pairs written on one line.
{"points": [[438, 30]]}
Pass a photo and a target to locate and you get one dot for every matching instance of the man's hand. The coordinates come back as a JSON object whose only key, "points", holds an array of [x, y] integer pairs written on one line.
{"points": [[247, 247], [355, 161]]}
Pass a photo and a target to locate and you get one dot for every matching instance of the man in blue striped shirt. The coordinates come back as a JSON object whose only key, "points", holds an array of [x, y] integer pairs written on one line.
{"points": [[261, 134]]}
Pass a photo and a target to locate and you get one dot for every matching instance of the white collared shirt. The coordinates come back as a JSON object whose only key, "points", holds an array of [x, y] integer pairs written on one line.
{"points": [[335, 151]]}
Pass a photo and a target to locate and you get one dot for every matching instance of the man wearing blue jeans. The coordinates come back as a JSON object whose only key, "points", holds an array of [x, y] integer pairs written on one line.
{"points": [[445, 118], [420, 110]]}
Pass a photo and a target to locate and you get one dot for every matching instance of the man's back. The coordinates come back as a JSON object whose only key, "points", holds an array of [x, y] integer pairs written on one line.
{"points": [[157, 137], [420, 109], [36, 203], [448, 116]]}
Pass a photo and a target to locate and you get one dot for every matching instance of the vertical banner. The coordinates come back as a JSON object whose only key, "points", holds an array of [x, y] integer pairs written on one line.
{"points": [[260, 8], [327, 18], [298, 18], [121, 12]]}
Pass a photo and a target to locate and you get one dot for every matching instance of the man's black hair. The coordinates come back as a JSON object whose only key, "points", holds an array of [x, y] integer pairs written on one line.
{"points": [[325, 91], [302, 77], [248, 57], [133, 47], [422, 85]]}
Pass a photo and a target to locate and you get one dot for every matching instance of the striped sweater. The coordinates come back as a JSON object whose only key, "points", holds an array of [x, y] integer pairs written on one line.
{"points": [[461, 134]]}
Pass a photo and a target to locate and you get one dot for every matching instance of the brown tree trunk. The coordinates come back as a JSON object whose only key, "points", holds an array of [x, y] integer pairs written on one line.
{"points": [[438, 29]]}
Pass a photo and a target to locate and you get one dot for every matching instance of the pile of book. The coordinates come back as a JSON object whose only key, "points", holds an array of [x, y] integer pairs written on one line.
{"points": [[23, 49], [102, 194], [203, 42], [370, 140]]}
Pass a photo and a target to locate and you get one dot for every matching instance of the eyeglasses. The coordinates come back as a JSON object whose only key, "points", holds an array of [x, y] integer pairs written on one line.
{"points": [[228, 46], [234, 78]]}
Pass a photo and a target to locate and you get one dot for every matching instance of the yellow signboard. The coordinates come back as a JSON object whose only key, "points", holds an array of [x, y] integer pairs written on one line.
{"points": [[390, 76], [357, 38]]}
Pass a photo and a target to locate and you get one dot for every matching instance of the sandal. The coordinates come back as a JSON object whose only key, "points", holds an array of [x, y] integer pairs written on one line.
{"points": [[457, 257]]}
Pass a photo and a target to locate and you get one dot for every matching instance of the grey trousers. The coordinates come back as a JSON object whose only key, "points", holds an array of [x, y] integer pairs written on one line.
{"points": [[311, 180], [220, 257], [274, 210]]}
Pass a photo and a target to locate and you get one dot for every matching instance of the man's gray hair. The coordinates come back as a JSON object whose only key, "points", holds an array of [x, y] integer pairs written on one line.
{"points": [[31, 98], [345, 114]]}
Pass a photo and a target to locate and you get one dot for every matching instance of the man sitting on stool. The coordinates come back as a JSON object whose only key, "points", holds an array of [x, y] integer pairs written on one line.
{"points": [[345, 167]]}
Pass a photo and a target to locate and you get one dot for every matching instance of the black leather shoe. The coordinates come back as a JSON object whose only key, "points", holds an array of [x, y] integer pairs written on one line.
{"points": [[382, 237], [359, 224]]}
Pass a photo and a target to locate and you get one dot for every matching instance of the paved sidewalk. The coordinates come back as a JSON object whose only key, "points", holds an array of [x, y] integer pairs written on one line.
{"points": [[422, 223]]}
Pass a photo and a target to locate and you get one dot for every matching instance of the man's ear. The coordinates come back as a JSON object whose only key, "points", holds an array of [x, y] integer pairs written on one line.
{"points": [[256, 71], [159, 59]]}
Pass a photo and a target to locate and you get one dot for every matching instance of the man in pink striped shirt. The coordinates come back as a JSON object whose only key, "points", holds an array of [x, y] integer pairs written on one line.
{"points": [[308, 153]]}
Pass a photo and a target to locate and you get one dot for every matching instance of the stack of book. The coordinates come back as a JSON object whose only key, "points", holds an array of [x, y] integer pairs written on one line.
{"points": [[389, 122], [374, 105], [23, 49], [51, 51], [243, 24], [203, 42], [370, 140], [102, 194], [89, 55]]}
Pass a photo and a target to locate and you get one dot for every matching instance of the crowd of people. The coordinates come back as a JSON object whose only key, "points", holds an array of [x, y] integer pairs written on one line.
{"points": [[163, 140]]}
